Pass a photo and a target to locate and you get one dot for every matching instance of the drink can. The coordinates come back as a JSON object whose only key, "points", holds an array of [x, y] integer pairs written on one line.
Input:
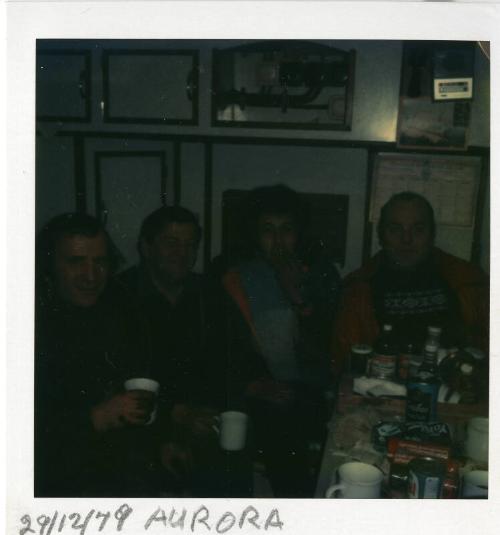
{"points": [[425, 477], [421, 401]]}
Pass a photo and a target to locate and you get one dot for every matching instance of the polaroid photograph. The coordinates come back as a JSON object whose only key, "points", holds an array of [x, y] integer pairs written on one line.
{"points": [[249, 252]]}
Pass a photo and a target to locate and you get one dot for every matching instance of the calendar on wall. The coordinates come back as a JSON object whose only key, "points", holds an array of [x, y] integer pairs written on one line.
{"points": [[449, 183]]}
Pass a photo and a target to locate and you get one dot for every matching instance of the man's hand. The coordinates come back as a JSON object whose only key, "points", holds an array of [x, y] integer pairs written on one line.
{"points": [[197, 421], [128, 408]]}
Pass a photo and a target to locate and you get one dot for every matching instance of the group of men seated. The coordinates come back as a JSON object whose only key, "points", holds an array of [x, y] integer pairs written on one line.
{"points": [[267, 334]]}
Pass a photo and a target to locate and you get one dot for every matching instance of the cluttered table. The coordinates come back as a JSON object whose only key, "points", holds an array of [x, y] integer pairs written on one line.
{"points": [[371, 429]]}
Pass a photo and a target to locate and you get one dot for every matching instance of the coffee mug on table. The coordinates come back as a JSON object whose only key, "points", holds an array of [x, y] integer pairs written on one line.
{"points": [[475, 484], [232, 430], [476, 443], [145, 385], [357, 480]]}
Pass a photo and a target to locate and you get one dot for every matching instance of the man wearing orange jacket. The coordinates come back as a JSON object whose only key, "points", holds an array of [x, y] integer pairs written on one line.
{"points": [[411, 284]]}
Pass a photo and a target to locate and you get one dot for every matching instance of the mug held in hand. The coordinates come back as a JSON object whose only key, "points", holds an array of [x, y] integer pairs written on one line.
{"points": [[232, 430], [148, 389]]}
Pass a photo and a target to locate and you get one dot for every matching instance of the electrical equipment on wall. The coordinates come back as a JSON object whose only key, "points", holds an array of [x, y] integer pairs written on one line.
{"points": [[283, 84], [435, 95], [453, 71]]}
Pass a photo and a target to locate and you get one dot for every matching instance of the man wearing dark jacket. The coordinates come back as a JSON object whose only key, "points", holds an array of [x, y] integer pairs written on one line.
{"points": [[186, 332], [90, 438]]}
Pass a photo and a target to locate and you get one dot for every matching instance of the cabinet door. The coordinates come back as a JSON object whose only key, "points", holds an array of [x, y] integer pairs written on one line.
{"points": [[63, 85], [151, 86], [127, 180], [55, 178]]}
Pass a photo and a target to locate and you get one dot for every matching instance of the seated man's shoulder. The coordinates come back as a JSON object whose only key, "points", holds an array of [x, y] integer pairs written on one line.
{"points": [[458, 269], [362, 276]]}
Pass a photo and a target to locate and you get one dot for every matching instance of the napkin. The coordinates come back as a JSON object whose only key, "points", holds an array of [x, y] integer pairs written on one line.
{"points": [[371, 386]]}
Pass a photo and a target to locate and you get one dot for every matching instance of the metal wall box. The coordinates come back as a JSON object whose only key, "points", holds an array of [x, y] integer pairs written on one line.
{"points": [[283, 84]]}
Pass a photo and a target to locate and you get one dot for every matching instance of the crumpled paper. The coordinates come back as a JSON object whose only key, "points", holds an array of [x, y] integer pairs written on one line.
{"points": [[355, 427], [371, 386]]}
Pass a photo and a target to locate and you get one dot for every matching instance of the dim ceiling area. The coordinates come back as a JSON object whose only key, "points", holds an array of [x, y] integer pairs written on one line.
{"points": [[124, 126]]}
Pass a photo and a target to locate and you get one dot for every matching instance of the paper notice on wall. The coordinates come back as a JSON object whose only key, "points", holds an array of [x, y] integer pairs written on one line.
{"points": [[449, 183]]}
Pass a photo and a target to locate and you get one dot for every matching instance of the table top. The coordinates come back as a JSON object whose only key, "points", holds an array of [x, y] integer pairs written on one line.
{"points": [[350, 403], [450, 413]]}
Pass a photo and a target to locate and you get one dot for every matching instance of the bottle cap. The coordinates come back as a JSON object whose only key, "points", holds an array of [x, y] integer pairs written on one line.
{"points": [[466, 369]]}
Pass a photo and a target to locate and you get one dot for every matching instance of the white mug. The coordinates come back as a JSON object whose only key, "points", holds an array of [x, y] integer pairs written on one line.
{"points": [[357, 480], [147, 385], [232, 430], [476, 443], [475, 484]]}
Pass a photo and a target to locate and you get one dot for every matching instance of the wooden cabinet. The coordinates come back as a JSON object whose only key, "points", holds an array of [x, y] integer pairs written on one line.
{"points": [[126, 180], [151, 86], [63, 85]]}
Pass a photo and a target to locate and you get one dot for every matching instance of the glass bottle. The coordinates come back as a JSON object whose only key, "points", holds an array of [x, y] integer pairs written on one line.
{"points": [[423, 388], [408, 359], [385, 353], [467, 387], [433, 336]]}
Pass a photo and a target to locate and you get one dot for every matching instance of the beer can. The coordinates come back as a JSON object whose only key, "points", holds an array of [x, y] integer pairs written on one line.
{"points": [[421, 401], [425, 477]]}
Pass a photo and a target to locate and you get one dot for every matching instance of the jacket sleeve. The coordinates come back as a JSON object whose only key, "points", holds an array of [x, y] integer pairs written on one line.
{"points": [[472, 288], [228, 361], [474, 302], [355, 323]]}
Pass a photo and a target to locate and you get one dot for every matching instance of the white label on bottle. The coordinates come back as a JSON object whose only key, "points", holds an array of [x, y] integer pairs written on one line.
{"points": [[383, 365]]}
